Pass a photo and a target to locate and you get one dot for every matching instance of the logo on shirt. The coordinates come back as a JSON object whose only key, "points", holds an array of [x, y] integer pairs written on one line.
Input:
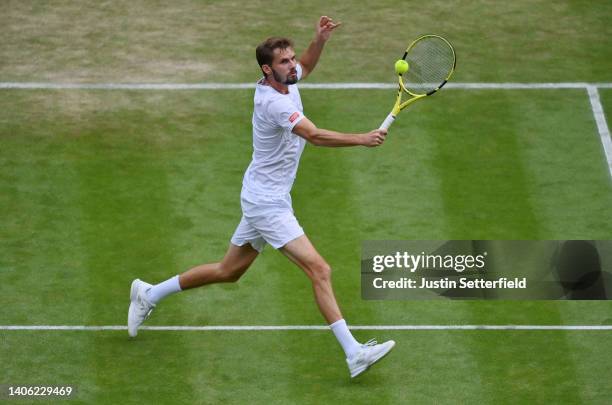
{"points": [[294, 116]]}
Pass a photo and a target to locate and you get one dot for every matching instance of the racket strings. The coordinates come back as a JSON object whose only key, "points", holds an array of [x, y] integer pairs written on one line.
{"points": [[431, 61]]}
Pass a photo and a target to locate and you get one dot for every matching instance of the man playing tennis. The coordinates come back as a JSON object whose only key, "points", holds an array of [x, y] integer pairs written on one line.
{"points": [[280, 132]]}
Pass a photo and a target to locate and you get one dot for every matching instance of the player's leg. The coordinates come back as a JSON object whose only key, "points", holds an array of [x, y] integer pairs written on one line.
{"points": [[144, 296], [359, 357], [234, 264], [303, 253]]}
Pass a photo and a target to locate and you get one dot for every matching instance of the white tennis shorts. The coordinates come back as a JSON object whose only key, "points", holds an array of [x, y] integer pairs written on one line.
{"points": [[266, 218]]}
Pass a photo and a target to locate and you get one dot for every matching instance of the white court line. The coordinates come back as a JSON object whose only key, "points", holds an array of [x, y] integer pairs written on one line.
{"points": [[307, 327], [327, 86], [602, 125]]}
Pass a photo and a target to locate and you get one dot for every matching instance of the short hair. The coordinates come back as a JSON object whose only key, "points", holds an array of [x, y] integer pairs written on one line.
{"points": [[265, 50]]}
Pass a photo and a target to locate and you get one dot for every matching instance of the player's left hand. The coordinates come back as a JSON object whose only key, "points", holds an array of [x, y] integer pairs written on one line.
{"points": [[325, 27]]}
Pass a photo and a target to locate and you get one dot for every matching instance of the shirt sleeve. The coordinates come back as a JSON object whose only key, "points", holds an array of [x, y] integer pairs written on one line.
{"points": [[284, 113]]}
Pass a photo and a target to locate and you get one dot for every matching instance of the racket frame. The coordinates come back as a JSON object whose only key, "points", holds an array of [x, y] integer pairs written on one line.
{"points": [[399, 105]]}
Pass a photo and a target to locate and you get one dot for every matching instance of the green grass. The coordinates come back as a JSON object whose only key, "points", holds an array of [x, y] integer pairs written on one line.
{"points": [[190, 41], [281, 367], [100, 187]]}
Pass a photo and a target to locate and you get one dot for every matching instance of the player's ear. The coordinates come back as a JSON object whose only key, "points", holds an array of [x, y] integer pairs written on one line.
{"points": [[266, 69]]}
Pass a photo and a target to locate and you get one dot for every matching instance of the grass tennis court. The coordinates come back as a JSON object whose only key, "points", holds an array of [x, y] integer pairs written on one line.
{"points": [[98, 187]]}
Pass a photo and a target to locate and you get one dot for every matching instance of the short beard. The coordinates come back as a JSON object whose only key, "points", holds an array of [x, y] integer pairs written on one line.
{"points": [[278, 78]]}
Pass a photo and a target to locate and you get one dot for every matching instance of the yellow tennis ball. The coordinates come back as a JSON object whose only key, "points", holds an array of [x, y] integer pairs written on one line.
{"points": [[401, 67]]}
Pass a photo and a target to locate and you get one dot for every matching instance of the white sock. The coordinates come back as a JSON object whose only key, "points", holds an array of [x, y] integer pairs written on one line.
{"points": [[345, 338], [163, 289]]}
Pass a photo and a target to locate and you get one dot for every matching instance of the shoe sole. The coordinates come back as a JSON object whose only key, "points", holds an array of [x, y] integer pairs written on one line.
{"points": [[133, 295], [377, 359]]}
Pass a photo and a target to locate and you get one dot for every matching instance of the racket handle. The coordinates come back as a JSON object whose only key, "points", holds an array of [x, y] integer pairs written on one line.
{"points": [[387, 122]]}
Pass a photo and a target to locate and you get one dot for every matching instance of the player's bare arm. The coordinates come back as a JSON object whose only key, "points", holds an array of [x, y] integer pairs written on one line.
{"points": [[324, 137], [310, 57]]}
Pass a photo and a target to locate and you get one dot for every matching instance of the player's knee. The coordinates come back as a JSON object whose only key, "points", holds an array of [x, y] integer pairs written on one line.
{"points": [[233, 277], [231, 274], [321, 272]]}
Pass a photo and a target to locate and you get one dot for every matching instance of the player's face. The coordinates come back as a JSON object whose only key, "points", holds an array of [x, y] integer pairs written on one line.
{"points": [[284, 66]]}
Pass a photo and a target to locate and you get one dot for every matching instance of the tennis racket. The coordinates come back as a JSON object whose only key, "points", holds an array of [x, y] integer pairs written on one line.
{"points": [[431, 63]]}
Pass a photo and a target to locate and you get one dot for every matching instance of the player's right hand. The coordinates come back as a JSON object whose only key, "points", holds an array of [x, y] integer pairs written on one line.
{"points": [[374, 138]]}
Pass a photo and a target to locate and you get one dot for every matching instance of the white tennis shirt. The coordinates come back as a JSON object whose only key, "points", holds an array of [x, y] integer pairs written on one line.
{"points": [[276, 150]]}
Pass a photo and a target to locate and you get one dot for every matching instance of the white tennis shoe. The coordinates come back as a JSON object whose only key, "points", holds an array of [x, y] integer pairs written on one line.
{"points": [[140, 306], [369, 354]]}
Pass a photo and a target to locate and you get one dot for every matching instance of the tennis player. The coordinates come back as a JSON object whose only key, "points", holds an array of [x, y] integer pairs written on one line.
{"points": [[280, 132]]}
